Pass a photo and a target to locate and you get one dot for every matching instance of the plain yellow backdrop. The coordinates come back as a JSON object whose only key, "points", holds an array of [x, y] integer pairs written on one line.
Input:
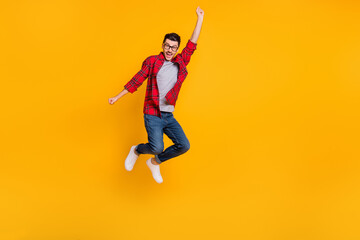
{"points": [[270, 106]]}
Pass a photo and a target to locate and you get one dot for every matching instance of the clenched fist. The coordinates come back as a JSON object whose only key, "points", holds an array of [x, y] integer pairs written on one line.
{"points": [[200, 12], [113, 100]]}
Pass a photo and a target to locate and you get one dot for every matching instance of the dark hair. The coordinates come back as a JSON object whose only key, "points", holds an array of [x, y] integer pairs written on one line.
{"points": [[172, 37]]}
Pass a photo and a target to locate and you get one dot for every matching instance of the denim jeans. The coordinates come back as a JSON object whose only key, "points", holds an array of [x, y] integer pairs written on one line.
{"points": [[156, 127]]}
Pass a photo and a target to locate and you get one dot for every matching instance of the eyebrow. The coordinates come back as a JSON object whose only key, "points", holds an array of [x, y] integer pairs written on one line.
{"points": [[171, 46]]}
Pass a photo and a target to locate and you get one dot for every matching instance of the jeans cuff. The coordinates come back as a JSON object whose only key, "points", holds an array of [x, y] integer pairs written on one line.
{"points": [[157, 159], [136, 150]]}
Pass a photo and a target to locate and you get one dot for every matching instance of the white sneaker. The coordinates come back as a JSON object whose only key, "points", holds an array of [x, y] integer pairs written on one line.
{"points": [[155, 170], [131, 159]]}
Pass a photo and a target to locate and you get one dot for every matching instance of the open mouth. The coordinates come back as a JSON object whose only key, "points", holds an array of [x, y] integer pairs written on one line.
{"points": [[168, 54]]}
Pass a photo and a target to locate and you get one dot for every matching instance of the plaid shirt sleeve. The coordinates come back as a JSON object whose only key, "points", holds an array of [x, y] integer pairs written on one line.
{"points": [[188, 51], [139, 77]]}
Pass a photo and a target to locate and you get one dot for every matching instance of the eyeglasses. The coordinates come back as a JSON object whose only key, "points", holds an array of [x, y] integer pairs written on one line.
{"points": [[167, 47]]}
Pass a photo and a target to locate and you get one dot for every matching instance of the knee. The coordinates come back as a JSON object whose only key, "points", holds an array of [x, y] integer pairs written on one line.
{"points": [[184, 147], [157, 149]]}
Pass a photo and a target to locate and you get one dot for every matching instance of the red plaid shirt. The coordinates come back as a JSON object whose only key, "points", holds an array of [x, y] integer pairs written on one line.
{"points": [[150, 68]]}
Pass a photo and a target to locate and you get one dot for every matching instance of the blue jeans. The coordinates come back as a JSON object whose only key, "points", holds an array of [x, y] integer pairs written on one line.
{"points": [[156, 127]]}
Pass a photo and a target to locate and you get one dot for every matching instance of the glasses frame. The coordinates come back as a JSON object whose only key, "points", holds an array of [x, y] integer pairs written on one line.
{"points": [[167, 47]]}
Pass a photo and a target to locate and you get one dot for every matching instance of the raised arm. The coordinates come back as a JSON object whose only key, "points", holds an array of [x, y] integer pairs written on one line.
{"points": [[196, 33]]}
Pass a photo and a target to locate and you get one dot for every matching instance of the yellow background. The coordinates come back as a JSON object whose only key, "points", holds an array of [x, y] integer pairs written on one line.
{"points": [[270, 105]]}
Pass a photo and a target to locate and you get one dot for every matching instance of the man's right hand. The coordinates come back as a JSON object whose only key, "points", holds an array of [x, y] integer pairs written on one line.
{"points": [[113, 100]]}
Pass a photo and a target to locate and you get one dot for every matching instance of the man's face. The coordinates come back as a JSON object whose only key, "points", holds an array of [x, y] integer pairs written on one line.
{"points": [[170, 48]]}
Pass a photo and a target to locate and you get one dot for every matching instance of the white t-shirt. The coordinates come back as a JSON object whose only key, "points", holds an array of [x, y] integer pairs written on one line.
{"points": [[166, 79]]}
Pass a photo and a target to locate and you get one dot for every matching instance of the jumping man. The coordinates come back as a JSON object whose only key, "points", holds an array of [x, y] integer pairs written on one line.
{"points": [[166, 73]]}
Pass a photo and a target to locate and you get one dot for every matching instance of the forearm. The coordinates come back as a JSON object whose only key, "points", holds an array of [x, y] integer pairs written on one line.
{"points": [[122, 93], [196, 33]]}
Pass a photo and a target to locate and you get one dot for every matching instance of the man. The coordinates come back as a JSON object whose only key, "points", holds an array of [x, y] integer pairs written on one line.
{"points": [[166, 73]]}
